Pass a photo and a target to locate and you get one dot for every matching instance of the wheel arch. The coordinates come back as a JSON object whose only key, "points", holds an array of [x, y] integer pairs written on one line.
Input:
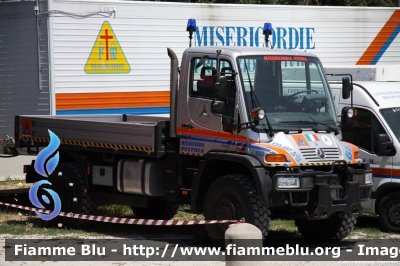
{"points": [[217, 164], [382, 191]]}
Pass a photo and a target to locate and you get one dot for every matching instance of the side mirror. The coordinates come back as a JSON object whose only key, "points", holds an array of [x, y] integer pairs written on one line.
{"points": [[383, 146], [217, 107], [220, 87], [347, 87]]}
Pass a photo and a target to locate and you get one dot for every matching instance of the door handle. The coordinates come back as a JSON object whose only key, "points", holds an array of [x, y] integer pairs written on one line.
{"points": [[188, 125]]}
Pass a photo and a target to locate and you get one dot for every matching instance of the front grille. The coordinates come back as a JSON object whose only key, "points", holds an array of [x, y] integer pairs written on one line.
{"points": [[330, 154]]}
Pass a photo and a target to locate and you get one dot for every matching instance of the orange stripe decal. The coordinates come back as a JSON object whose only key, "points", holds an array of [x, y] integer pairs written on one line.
{"points": [[279, 151], [382, 171], [382, 41], [70, 101], [386, 171], [354, 148], [212, 134]]}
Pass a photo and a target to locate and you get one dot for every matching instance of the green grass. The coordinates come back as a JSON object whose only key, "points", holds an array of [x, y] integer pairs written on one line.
{"points": [[183, 214], [114, 210], [368, 227], [13, 183]]}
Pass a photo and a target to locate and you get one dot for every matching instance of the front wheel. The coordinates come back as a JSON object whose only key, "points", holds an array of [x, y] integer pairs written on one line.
{"points": [[337, 226], [389, 212], [233, 197]]}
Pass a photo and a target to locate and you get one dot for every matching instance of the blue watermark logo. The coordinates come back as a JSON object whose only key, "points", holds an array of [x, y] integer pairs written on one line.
{"points": [[40, 194]]}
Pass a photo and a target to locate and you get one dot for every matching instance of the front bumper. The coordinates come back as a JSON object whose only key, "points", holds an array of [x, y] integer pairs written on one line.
{"points": [[323, 193], [350, 202]]}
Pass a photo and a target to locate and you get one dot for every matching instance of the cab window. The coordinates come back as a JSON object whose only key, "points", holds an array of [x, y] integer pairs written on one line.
{"points": [[201, 85], [202, 78]]}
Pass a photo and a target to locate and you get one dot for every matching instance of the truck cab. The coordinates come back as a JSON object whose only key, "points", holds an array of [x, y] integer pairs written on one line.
{"points": [[375, 129], [272, 109]]}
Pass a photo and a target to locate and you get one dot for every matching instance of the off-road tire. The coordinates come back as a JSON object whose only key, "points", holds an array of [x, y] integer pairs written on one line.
{"points": [[71, 189], [233, 197], [334, 227], [157, 210], [389, 212]]}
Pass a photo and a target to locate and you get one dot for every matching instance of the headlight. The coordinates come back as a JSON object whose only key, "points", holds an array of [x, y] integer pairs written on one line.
{"points": [[368, 178], [261, 114], [288, 182], [349, 112], [257, 114]]}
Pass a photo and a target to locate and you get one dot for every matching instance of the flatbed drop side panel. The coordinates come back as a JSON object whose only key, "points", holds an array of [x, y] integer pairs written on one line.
{"points": [[122, 134]]}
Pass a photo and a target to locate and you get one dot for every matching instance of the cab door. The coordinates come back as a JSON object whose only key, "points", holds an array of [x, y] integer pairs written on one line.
{"points": [[362, 131], [197, 120], [200, 96]]}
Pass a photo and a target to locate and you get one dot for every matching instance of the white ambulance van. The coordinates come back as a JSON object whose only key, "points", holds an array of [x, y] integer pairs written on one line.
{"points": [[375, 129]]}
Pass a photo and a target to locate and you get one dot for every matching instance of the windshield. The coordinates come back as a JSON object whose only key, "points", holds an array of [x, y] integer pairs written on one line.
{"points": [[292, 90], [392, 117]]}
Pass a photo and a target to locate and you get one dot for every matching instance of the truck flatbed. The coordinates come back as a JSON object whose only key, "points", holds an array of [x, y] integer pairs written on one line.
{"points": [[125, 134]]}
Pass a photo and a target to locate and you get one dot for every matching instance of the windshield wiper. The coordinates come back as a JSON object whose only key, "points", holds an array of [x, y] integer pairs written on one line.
{"points": [[271, 132], [331, 128], [315, 123]]}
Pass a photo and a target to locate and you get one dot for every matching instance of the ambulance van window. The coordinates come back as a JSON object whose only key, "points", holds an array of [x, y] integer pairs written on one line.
{"points": [[362, 130]]}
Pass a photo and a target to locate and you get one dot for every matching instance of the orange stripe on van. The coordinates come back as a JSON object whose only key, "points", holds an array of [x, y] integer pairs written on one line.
{"points": [[382, 171], [73, 101], [377, 45], [386, 171]]}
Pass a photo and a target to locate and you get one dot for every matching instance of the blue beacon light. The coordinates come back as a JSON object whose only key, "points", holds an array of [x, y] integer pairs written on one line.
{"points": [[191, 27], [267, 31]]}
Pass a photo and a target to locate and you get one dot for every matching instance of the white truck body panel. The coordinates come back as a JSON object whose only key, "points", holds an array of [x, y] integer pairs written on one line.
{"points": [[364, 72], [373, 97]]}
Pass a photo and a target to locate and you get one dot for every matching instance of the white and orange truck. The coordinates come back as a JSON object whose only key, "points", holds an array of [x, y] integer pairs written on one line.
{"points": [[252, 134]]}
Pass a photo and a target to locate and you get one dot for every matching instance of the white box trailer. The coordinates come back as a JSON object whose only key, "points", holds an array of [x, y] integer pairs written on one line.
{"points": [[364, 72], [108, 57]]}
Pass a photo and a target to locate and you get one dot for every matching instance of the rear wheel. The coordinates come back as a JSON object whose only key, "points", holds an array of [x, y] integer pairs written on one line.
{"points": [[389, 212], [233, 197], [67, 182], [337, 226]]}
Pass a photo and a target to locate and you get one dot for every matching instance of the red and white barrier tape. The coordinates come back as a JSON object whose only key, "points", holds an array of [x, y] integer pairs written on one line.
{"points": [[118, 220]]}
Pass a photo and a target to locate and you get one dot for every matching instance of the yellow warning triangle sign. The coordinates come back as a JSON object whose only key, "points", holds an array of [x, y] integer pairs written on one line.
{"points": [[107, 56]]}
